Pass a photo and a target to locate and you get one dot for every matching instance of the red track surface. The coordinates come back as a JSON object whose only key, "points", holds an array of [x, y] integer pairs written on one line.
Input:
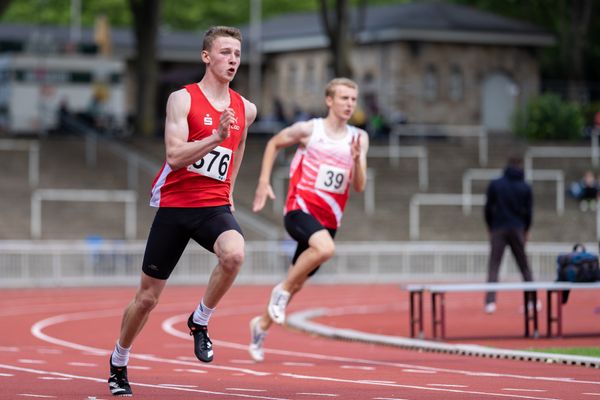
{"points": [[54, 344]]}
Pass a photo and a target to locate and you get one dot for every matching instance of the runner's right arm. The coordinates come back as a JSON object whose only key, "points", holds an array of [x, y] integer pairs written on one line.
{"points": [[298, 133], [181, 153]]}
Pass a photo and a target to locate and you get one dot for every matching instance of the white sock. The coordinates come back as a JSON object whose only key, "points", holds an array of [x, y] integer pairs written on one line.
{"points": [[202, 314], [120, 356]]}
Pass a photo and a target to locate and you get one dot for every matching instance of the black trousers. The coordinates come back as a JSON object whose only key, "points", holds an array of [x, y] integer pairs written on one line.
{"points": [[500, 238]]}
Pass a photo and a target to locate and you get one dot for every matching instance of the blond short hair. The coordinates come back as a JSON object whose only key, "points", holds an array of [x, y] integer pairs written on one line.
{"points": [[330, 88], [220, 31]]}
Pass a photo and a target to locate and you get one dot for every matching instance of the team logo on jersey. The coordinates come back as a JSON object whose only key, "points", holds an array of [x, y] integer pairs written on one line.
{"points": [[207, 120], [235, 125]]}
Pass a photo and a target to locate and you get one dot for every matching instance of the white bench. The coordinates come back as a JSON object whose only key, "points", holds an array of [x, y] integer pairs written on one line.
{"points": [[129, 197], [535, 175], [436, 199], [31, 146], [529, 289], [427, 130], [394, 153]]}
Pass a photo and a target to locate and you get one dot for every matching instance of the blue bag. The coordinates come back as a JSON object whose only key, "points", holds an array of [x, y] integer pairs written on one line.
{"points": [[578, 266]]}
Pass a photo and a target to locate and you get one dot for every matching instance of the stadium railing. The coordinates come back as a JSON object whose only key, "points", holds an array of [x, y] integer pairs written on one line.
{"points": [[129, 197], [425, 130], [117, 262], [473, 174]]}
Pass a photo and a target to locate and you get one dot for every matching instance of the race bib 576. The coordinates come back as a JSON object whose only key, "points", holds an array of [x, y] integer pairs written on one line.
{"points": [[213, 165]]}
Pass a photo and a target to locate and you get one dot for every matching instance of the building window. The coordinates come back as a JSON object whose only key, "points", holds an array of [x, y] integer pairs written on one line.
{"points": [[456, 89], [311, 77], [430, 83], [292, 78]]}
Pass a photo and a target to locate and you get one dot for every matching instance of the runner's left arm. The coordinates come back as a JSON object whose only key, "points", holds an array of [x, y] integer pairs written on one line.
{"points": [[360, 146], [239, 155]]}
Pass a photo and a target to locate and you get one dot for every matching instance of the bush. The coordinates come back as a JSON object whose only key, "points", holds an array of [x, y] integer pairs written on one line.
{"points": [[548, 117], [589, 112]]}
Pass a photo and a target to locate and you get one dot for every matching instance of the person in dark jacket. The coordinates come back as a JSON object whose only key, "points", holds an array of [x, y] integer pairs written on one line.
{"points": [[508, 215]]}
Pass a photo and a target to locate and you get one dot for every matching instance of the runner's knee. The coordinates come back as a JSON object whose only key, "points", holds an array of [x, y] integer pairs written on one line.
{"points": [[146, 301], [325, 250], [231, 260]]}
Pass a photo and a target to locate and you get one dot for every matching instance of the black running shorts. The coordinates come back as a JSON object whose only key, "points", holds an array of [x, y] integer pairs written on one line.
{"points": [[174, 227], [301, 226]]}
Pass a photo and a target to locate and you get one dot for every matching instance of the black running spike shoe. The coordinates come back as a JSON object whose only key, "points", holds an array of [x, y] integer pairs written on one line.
{"points": [[202, 344], [118, 382]]}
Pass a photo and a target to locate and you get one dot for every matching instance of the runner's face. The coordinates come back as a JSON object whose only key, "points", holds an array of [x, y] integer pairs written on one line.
{"points": [[343, 102], [223, 58]]}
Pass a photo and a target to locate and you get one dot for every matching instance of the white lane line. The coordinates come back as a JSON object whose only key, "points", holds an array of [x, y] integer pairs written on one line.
{"points": [[193, 371], [9, 349], [297, 364], [82, 364], [419, 371], [29, 361], [54, 378], [523, 390], [41, 396], [358, 367], [375, 382], [137, 384], [8, 375], [50, 351], [591, 394], [175, 385], [491, 394], [139, 367], [317, 394], [236, 361], [446, 385], [38, 327], [387, 398], [245, 390], [168, 327]]}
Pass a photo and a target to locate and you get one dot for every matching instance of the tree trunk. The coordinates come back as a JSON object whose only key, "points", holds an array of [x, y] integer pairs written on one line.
{"points": [[337, 27], [4, 5], [578, 24], [146, 18]]}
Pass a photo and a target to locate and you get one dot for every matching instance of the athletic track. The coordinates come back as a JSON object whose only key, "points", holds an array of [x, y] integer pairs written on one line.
{"points": [[55, 344]]}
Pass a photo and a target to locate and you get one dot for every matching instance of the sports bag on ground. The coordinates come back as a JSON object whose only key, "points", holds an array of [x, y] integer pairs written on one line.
{"points": [[578, 266]]}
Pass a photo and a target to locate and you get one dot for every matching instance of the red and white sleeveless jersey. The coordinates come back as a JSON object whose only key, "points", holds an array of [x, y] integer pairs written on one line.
{"points": [[207, 182], [320, 176]]}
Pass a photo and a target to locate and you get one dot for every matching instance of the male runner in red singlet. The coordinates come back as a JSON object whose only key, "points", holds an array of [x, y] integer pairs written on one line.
{"points": [[331, 156], [205, 133]]}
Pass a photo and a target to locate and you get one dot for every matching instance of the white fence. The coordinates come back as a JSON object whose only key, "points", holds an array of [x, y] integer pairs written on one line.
{"points": [[423, 130], [33, 149], [394, 153], [556, 152], [30, 264], [436, 199], [129, 197], [535, 175]]}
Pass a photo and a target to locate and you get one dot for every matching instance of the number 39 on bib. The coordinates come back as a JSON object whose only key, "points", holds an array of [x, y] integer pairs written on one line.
{"points": [[213, 165], [332, 179]]}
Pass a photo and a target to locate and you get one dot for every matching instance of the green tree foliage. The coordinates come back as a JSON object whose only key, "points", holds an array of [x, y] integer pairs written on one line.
{"points": [[548, 117], [178, 15], [58, 12]]}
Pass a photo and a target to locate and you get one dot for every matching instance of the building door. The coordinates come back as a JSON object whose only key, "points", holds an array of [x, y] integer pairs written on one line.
{"points": [[499, 102]]}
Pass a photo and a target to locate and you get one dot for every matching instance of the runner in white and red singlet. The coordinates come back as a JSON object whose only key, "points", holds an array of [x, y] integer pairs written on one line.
{"points": [[205, 134], [331, 157]]}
